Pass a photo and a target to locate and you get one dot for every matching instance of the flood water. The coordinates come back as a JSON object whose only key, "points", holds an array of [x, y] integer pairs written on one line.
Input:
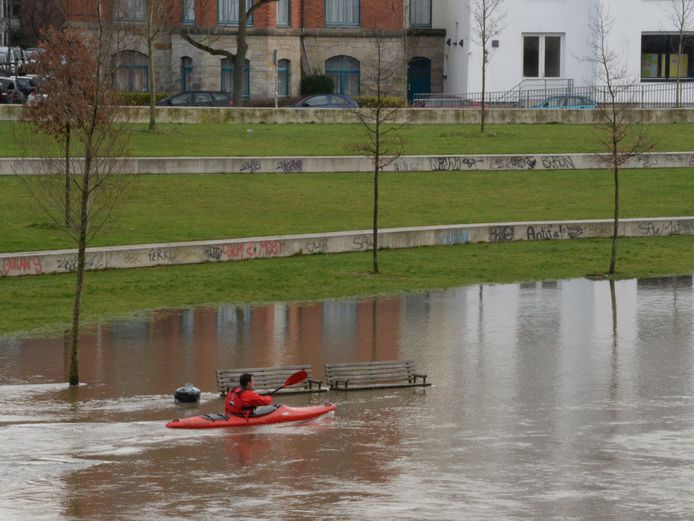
{"points": [[548, 403]]}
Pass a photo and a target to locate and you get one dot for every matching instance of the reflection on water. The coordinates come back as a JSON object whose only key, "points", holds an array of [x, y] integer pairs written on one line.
{"points": [[554, 401]]}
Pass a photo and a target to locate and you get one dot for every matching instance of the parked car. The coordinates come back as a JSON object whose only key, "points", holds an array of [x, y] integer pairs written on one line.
{"points": [[24, 83], [198, 98], [566, 102], [328, 101], [9, 92]]}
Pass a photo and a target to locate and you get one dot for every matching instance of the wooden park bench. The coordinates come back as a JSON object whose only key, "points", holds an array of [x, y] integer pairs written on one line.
{"points": [[352, 376], [267, 379]]}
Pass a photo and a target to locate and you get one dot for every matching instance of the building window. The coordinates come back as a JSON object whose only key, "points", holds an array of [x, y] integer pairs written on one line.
{"points": [[660, 60], [186, 73], [284, 74], [344, 70], [542, 56], [420, 13], [283, 13], [129, 10], [188, 11], [228, 12], [131, 71], [341, 12], [228, 77]]}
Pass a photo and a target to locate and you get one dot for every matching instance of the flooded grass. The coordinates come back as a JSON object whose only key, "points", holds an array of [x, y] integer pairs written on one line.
{"points": [[44, 302]]}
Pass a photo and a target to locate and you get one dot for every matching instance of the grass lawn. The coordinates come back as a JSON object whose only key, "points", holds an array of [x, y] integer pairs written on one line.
{"points": [[196, 207], [44, 302], [323, 139]]}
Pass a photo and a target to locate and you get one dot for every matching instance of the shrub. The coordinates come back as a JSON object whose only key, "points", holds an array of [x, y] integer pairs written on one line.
{"points": [[317, 84], [139, 98], [390, 102]]}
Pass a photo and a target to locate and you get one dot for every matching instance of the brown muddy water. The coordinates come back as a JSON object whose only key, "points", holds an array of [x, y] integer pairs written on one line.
{"points": [[548, 403]]}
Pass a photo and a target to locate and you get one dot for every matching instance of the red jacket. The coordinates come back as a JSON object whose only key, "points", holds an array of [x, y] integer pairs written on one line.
{"points": [[243, 401]]}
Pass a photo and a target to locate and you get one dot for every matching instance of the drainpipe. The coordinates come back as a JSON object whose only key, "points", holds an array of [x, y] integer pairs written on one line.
{"points": [[303, 39]]}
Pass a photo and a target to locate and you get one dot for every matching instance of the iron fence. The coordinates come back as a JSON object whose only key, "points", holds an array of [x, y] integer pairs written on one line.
{"points": [[641, 95]]}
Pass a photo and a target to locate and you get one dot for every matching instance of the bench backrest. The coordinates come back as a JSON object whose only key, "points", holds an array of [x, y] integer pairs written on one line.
{"points": [[370, 372], [264, 378]]}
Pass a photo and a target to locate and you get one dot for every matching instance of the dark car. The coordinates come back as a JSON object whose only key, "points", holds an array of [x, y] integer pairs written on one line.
{"points": [[566, 102], [9, 93], [328, 101], [198, 98]]}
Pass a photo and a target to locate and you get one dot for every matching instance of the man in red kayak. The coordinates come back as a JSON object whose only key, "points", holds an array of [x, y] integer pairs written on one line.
{"points": [[242, 400]]}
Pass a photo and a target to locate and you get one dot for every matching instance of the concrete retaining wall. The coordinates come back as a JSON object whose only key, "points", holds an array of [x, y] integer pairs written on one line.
{"points": [[62, 261], [252, 115], [288, 165]]}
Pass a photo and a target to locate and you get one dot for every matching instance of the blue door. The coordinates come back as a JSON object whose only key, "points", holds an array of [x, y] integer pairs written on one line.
{"points": [[418, 77]]}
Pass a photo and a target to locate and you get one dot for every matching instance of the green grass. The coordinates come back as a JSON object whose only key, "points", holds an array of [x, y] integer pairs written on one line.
{"points": [[308, 139], [188, 207], [44, 303]]}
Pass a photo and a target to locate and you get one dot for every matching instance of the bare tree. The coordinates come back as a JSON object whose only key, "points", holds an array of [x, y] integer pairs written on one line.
{"points": [[622, 138], [158, 20], [682, 15], [212, 40], [37, 16], [487, 16], [80, 118], [383, 143]]}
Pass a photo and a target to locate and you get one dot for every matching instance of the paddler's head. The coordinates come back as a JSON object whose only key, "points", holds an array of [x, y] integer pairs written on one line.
{"points": [[246, 381]]}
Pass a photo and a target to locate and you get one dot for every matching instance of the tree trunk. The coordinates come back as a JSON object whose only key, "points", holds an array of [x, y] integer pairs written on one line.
{"points": [[68, 137], [678, 86], [150, 72], [484, 84], [377, 163], [240, 56], [81, 256], [615, 226]]}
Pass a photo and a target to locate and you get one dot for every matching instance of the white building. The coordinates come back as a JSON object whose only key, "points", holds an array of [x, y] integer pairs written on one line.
{"points": [[550, 39]]}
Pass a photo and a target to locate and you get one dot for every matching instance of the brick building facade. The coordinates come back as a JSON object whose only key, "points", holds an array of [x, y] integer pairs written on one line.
{"points": [[287, 40]]}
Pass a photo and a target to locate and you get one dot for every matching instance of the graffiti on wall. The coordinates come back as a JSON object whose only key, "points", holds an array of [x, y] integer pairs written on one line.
{"points": [[22, 266]]}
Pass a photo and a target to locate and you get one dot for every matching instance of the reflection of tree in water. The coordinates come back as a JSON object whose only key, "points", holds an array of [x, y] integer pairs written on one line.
{"points": [[615, 352]]}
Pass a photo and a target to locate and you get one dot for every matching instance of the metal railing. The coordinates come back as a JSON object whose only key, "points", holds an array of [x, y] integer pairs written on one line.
{"points": [[526, 95]]}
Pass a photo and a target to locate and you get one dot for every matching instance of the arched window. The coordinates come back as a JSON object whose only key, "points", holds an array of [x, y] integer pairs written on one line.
{"points": [[344, 70], [186, 73], [228, 77], [131, 71], [284, 75]]}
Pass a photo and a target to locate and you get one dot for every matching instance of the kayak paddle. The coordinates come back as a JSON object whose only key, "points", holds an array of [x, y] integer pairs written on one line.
{"points": [[295, 378]]}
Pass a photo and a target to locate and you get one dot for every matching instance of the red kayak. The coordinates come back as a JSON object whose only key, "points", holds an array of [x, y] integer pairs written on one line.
{"points": [[263, 416]]}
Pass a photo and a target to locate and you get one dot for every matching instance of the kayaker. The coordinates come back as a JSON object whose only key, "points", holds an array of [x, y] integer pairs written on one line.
{"points": [[242, 400]]}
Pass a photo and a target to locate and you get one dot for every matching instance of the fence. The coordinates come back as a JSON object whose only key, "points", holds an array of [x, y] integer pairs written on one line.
{"points": [[641, 95]]}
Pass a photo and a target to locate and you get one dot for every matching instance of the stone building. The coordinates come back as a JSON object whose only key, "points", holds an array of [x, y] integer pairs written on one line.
{"points": [[287, 39]]}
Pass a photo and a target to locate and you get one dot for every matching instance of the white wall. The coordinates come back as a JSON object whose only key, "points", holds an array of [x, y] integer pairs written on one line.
{"points": [[570, 18]]}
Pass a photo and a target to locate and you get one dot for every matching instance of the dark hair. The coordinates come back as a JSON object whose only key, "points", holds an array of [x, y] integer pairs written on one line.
{"points": [[245, 379]]}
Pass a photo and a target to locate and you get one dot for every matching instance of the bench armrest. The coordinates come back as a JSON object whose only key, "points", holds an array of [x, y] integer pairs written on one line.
{"points": [[422, 376], [311, 383], [336, 384]]}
